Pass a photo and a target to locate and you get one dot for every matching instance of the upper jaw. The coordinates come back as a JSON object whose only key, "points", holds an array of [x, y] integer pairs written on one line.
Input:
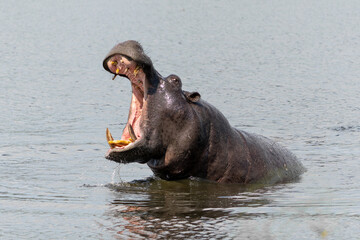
{"points": [[121, 65], [132, 49]]}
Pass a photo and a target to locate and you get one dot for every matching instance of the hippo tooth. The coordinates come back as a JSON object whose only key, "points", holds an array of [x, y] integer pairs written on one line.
{"points": [[114, 63], [117, 71], [119, 143], [137, 69], [132, 133], [122, 61], [126, 70]]}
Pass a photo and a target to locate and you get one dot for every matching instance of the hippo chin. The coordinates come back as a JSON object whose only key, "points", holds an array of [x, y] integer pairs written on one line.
{"points": [[179, 135]]}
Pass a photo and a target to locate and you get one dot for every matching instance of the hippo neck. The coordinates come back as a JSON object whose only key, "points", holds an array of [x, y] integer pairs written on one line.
{"points": [[221, 139]]}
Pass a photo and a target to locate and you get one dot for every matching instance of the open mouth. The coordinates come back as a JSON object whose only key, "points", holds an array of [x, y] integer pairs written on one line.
{"points": [[125, 67]]}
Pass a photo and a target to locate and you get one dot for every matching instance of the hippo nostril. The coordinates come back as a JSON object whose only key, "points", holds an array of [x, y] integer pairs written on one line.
{"points": [[174, 79]]}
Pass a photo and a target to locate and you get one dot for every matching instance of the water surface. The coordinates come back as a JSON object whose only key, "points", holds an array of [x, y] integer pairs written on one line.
{"points": [[288, 71]]}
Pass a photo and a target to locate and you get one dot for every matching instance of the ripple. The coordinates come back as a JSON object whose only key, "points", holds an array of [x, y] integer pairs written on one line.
{"points": [[350, 128]]}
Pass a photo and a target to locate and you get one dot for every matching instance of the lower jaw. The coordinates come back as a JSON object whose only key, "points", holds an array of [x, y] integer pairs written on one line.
{"points": [[118, 160], [131, 132]]}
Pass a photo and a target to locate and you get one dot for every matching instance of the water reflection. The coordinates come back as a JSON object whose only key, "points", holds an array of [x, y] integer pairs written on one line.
{"points": [[187, 209]]}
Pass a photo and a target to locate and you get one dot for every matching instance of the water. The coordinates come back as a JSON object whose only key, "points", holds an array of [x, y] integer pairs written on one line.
{"points": [[289, 71]]}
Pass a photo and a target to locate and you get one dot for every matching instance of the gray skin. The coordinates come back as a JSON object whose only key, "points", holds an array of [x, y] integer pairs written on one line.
{"points": [[184, 136]]}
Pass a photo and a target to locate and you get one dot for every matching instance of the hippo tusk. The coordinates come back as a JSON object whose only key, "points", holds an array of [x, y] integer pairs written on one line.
{"points": [[109, 138], [132, 133], [108, 135]]}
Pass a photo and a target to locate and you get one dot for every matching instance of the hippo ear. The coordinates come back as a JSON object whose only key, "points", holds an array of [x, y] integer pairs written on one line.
{"points": [[192, 96]]}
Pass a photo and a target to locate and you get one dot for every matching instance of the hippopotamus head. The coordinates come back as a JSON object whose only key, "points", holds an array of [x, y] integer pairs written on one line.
{"points": [[158, 112]]}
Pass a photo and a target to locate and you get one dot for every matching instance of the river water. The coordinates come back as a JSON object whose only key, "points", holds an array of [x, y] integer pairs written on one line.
{"points": [[288, 70]]}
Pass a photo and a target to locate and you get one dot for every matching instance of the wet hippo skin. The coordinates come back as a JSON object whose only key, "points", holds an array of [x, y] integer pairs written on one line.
{"points": [[178, 135]]}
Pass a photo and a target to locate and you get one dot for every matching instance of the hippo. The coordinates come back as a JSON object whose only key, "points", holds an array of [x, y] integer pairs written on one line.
{"points": [[179, 135]]}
